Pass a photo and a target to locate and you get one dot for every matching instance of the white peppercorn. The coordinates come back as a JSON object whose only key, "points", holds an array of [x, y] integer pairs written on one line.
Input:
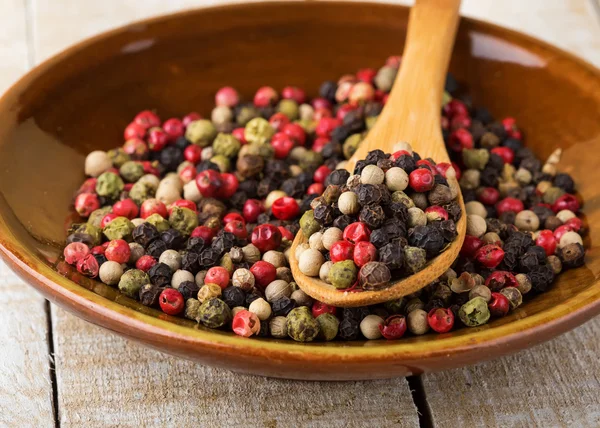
{"points": [[475, 208], [348, 203], [470, 179], [316, 241], [167, 193], [243, 279], [416, 217], [285, 274], [324, 271], [565, 215], [306, 112], [191, 192], [491, 238], [481, 291], [524, 283], [310, 262], [369, 326], [110, 272], [236, 310], [403, 145], [277, 289], [221, 115], [527, 221], [570, 238], [199, 278], [251, 253], [136, 251], [96, 163], [372, 174], [301, 298], [331, 236], [276, 258], [272, 197], [396, 179], [476, 225], [523, 176], [300, 249], [181, 276], [261, 308], [171, 258], [417, 322], [278, 327]]}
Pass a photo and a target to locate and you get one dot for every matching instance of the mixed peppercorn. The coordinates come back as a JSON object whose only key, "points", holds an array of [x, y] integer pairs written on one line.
{"points": [[196, 216]]}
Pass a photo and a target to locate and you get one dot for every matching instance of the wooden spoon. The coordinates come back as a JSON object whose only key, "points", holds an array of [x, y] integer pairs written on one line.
{"points": [[412, 114]]}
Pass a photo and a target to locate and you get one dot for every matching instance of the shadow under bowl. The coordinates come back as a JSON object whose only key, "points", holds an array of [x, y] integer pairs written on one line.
{"points": [[82, 99]]}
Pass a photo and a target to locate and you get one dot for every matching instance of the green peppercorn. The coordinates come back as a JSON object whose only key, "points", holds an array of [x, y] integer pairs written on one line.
{"points": [[183, 219], [214, 313], [414, 304], [308, 224], [258, 130], [343, 274], [192, 307], [201, 132], [395, 306], [226, 263], [278, 327], [400, 196], [223, 162], [131, 171], [131, 282], [311, 160], [475, 312], [264, 150], [370, 122], [309, 126], [96, 216], [141, 191], [475, 158], [118, 157], [91, 234], [119, 228], [159, 222], [552, 194], [226, 145], [415, 258], [351, 144], [524, 283], [301, 325], [289, 108], [109, 185], [246, 114]]}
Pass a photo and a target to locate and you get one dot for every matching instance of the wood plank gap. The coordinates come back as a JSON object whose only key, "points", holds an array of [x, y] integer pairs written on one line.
{"points": [[52, 364], [415, 384]]}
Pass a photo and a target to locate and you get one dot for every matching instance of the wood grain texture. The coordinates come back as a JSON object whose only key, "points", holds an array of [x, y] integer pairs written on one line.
{"points": [[104, 380], [25, 387]]}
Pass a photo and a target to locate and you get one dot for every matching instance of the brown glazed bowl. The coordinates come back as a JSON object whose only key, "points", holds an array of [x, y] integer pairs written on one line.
{"points": [[83, 98]]}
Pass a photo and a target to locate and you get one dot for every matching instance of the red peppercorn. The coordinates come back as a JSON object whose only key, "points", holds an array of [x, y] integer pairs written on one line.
{"points": [[364, 252], [88, 266], [490, 255], [118, 251], [319, 143], [574, 223], [209, 182], [190, 117], [399, 153], [147, 119], [188, 174], [547, 241], [296, 132], [320, 103], [245, 323], [427, 163], [278, 121], [460, 121], [456, 108], [126, 208], [500, 279], [134, 130], [173, 128], [442, 167], [227, 96], [204, 232], [98, 249], [356, 232], [437, 212], [217, 275], [421, 180], [366, 74], [238, 228], [149, 168], [252, 209], [326, 125], [285, 233], [282, 145], [441, 320], [107, 219], [88, 186], [265, 97], [75, 251], [344, 109], [460, 139], [510, 126], [171, 301], [153, 206], [266, 237], [341, 250], [293, 93], [394, 327], [193, 153], [86, 203], [506, 153], [264, 273], [566, 202], [488, 196], [509, 204], [561, 230], [229, 185], [157, 139], [320, 308], [136, 148], [498, 305], [315, 189], [233, 217], [285, 208], [238, 133], [183, 203], [321, 174], [145, 262], [470, 246], [320, 113]]}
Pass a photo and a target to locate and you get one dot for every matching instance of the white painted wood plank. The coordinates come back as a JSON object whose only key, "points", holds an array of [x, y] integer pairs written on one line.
{"points": [[25, 387]]}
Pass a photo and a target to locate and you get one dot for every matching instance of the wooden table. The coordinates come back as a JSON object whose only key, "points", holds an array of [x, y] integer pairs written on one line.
{"points": [[56, 370]]}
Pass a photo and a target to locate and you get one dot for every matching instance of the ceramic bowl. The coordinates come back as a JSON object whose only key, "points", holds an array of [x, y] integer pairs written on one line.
{"points": [[83, 98]]}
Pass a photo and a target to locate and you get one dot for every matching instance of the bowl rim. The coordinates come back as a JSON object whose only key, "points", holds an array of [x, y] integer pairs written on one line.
{"points": [[488, 342]]}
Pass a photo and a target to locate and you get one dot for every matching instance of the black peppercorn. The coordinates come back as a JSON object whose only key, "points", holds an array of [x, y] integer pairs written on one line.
{"points": [[100, 258], [208, 258], [447, 228], [206, 165], [508, 217], [331, 149], [343, 221], [323, 214], [374, 156], [428, 238], [156, 248], [237, 200], [264, 329], [251, 297], [293, 188], [392, 255], [189, 262], [263, 218], [338, 177], [171, 157], [149, 293], [182, 142], [379, 238], [160, 274], [327, 91], [527, 262], [188, 289], [249, 188], [407, 163], [372, 215], [144, 234], [266, 186], [571, 255], [349, 329], [565, 182], [282, 306], [488, 178], [173, 239], [224, 241], [360, 165], [358, 313], [541, 277], [233, 296]]}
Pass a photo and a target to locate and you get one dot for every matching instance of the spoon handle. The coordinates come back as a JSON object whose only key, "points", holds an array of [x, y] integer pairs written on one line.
{"points": [[412, 111]]}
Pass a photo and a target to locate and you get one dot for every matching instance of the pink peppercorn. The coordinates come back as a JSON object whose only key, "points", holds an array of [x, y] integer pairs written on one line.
{"points": [[157, 139], [500, 279], [460, 139], [190, 117], [490, 255], [488, 195], [320, 103], [282, 145], [134, 130], [238, 228], [293, 93], [75, 251], [264, 273], [173, 128], [278, 121], [436, 212], [344, 109], [107, 219], [171, 301], [238, 133], [315, 189], [193, 153], [266, 237], [356, 232], [118, 251], [326, 125], [145, 262], [233, 217], [441, 320], [394, 327], [285, 208], [366, 74], [505, 153], [498, 305], [204, 232], [574, 223], [456, 108], [320, 308], [98, 249], [285, 233], [136, 148], [88, 266], [460, 121], [566, 202], [321, 174], [561, 230], [547, 241], [245, 323], [252, 209], [88, 186], [209, 182], [229, 185], [217, 275], [183, 203], [427, 163], [147, 119], [320, 113], [364, 252], [470, 246], [126, 208], [188, 174], [341, 250], [421, 180], [265, 97], [296, 132], [86, 203], [153, 206], [227, 96], [509, 204], [319, 143]]}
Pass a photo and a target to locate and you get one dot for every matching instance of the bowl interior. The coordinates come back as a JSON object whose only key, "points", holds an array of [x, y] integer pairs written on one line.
{"points": [[83, 99]]}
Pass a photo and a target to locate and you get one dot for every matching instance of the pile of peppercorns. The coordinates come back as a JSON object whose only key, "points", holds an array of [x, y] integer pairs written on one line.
{"points": [[196, 216], [365, 221]]}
